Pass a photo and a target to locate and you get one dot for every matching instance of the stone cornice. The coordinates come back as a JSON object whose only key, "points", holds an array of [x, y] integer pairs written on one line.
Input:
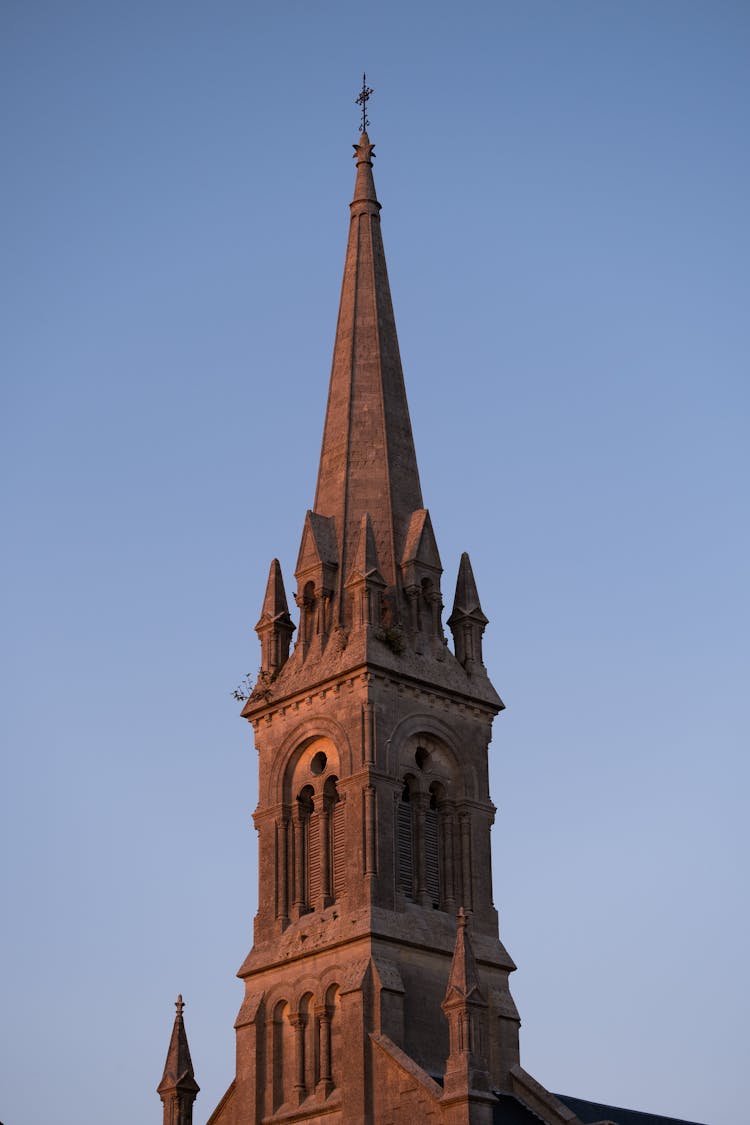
{"points": [[323, 932], [433, 695]]}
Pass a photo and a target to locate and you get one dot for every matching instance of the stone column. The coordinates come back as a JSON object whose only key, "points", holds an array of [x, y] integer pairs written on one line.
{"points": [[370, 821], [368, 733], [282, 871], [325, 1081], [305, 620], [298, 1022]]}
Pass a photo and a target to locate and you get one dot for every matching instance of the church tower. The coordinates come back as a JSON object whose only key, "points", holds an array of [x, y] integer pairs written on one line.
{"points": [[376, 990]]}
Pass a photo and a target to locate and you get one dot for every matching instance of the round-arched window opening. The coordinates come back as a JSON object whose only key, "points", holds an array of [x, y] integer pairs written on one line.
{"points": [[421, 757], [306, 800], [318, 763]]}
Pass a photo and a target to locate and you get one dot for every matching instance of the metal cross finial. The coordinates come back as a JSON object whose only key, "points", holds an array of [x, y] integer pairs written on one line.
{"points": [[179, 1005], [362, 100]]}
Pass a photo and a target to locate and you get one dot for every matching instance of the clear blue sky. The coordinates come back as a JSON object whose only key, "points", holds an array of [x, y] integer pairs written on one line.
{"points": [[565, 196]]}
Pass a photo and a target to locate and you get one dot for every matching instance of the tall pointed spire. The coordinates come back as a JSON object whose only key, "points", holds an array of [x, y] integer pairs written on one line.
{"points": [[367, 461], [178, 1088], [368, 571]]}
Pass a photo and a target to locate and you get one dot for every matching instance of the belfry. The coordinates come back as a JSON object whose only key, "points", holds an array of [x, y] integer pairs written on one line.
{"points": [[376, 989]]}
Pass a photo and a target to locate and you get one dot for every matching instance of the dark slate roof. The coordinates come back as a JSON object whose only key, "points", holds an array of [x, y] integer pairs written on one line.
{"points": [[509, 1111], [595, 1111]]}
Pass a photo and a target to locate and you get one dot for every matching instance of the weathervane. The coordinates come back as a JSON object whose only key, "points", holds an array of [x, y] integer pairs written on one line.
{"points": [[362, 100]]}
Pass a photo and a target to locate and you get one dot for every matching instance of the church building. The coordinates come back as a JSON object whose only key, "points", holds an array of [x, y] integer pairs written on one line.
{"points": [[377, 989]]}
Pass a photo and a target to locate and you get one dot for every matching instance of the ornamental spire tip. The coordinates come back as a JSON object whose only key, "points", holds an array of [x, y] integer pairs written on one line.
{"points": [[364, 96]]}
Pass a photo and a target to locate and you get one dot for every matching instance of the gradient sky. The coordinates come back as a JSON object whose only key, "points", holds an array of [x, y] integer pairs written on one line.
{"points": [[565, 196]]}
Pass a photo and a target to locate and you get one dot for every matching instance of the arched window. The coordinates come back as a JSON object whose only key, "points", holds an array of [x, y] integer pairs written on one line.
{"points": [[308, 613], [320, 847], [335, 1035], [426, 615], [282, 1048], [305, 849], [307, 1066], [311, 848], [424, 840]]}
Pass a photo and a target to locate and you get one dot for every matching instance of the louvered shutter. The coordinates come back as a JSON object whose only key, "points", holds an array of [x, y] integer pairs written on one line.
{"points": [[432, 855], [313, 861], [405, 849], [338, 850]]}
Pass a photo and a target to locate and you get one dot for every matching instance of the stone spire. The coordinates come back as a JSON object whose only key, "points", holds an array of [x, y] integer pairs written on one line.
{"points": [[463, 981], [467, 622], [275, 626], [178, 1088], [367, 461]]}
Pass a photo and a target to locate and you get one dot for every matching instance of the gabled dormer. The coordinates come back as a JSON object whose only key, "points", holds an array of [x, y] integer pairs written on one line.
{"points": [[420, 573], [365, 582], [317, 565]]}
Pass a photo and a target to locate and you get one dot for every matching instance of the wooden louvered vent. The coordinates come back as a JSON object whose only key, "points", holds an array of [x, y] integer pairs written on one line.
{"points": [[339, 851], [313, 861], [405, 849], [432, 855]]}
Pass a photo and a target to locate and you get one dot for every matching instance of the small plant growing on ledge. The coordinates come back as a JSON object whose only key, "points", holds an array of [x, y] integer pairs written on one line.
{"points": [[262, 689], [393, 637], [244, 689]]}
